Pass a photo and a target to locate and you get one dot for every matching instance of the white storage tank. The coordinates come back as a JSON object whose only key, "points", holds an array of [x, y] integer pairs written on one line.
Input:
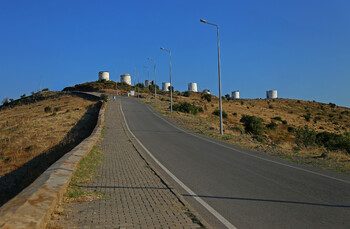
{"points": [[271, 94], [125, 78], [103, 75], [192, 87], [147, 83], [206, 91], [132, 93], [165, 86], [235, 94]]}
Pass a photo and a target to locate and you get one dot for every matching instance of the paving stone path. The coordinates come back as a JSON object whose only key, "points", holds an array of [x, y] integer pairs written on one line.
{"points": [[135, 196]]}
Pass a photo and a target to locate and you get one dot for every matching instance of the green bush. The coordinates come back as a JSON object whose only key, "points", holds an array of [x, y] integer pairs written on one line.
{"points": [[332, 105], [207, 97], [56, 109], [23, 96], [217, 113], [284, 122], [187, 108], [305, 136], [307, 117], [334, 141], [291, 129], [47, 109], [104, 97], [45, 89], [234, 114], [252, 124], [278, 118], [187, 94], [272, 125]]}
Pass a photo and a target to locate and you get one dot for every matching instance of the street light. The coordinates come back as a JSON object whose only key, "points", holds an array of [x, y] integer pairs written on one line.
{"points": [[155, 84], [219, 71], [148, 81], [171, 85]]}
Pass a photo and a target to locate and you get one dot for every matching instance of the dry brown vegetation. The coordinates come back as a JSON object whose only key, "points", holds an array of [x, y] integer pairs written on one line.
{"points": [[279, 141], [27, 131]]}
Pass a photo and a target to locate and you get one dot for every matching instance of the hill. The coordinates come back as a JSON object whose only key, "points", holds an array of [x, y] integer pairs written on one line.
{"points": [[37, 130]]}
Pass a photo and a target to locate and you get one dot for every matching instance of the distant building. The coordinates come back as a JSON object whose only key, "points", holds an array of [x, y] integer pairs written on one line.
{"points": [[125, 78], [235, 94], [271, 94], [192, 87], [103, 75]]}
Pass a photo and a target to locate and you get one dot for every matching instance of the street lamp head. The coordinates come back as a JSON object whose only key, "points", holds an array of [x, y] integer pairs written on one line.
{"points": [[202, 20], [162, 48]]}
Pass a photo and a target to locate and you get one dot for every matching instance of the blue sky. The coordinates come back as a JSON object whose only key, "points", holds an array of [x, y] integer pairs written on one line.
{"points": [[300, 48]]}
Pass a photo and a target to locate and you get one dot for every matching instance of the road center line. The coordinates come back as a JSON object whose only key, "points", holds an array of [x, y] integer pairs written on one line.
{"points": [[195, 196]]}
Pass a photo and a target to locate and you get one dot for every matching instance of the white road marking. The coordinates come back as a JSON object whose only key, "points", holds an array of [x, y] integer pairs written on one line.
{"points": [[242, 152], [195, 196]]}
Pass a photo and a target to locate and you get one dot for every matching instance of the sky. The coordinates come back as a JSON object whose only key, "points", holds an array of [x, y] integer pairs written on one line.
{"points": [[300, 48]]}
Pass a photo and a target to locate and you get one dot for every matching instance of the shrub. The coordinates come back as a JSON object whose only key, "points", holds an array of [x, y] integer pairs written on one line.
{"points": [[187, 94], [305, 136], [207, 97], [234, 114], [56, 109], [252, 124], [217, 113], [278, 118], [284, 122], [11, 100], [227, 96], [298, 101], [344, 112], [291, 129], [272, 125], [187, 108], [45, 89], [317, 118], [332, 105], [307, 117], [22, 96], [270, 106], [331, 115], [104, 97], [334, 141], [47, 109], [259, 138], [242, 102]]}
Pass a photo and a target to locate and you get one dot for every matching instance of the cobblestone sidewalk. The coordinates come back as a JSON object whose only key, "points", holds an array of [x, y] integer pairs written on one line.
{"points": [[135, 197]]}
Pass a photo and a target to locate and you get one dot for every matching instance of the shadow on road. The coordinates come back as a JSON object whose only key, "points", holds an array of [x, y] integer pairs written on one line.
{"points": [[272, 201]]}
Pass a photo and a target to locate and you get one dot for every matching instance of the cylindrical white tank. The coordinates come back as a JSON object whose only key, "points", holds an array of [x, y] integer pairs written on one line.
{"points": [[132, 93], [273, 94], [165, 86], [147, 83], [103, 75], [192, 87], [125, 78], [235, 94]]}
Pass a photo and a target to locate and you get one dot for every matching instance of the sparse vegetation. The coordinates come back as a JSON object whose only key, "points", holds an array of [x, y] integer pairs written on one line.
{"points": [[104, 97], [217, 113], [48, 109], [207, 97]]}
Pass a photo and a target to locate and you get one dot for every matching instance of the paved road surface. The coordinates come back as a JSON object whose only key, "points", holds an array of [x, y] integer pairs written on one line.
{"points": [[248, 189]]}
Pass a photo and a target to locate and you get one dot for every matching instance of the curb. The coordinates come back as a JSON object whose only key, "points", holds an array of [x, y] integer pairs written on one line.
{"points": [[31, 207]]}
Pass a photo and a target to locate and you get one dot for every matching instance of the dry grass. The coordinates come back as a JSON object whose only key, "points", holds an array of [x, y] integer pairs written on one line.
{"points": [[278, 142], [27, 131]]}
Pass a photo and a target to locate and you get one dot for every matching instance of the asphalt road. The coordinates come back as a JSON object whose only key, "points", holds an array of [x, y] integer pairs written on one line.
{"points": [[246, 188]]}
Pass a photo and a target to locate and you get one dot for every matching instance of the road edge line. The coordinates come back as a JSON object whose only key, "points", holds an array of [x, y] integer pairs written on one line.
{"points": [[187, 189]]}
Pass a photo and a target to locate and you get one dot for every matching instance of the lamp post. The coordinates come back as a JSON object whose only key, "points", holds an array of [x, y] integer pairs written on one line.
{"points": [[148, 81], [171, 85], [155, 84], [219, 71]]}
